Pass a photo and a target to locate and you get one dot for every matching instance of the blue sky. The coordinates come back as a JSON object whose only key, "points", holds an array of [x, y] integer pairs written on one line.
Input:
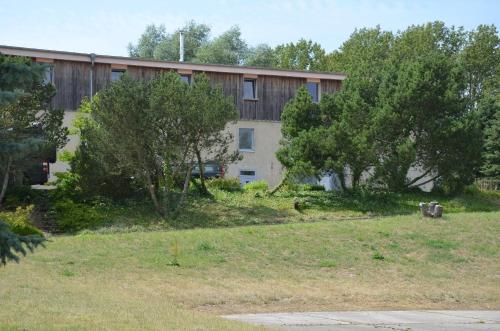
{"points": [[106, 27]]}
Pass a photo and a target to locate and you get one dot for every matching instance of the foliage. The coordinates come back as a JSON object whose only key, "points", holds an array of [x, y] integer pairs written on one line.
{"points": [[481, 62], [72, 216], [311, 187], [20, 222], [403, 105], [89, 176], [12, 244], [261, 55], [303, 55], [228, 48], [150, 134], [258, 185], [29, 127], [156, 43], [491, 166], [148, 42], [225, 184]]}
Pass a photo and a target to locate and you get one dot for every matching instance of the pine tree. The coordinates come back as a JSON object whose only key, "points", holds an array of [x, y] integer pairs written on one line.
{"points": [[491, 155], [11, 244]]}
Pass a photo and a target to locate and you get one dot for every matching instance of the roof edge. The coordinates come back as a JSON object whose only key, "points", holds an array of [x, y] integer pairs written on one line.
{"points": [[108, 59]]}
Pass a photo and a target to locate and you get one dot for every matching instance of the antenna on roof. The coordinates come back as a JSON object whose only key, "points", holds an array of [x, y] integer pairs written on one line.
{"points": [[181, 46]]}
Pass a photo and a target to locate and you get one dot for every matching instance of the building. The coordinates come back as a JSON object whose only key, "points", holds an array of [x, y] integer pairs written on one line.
{"points": [[260, 95]]}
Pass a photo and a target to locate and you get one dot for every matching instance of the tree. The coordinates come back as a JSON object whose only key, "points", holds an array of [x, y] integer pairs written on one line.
{"points": [[89, 175], [195, 36], [403, 105], [228, 48], [209, 113], [127, 132], [481, 61], [12, 244], [332, 137], [491, 154], [156, 131], [29, 126], [148, 42], [304, 55], [422, 116], [261, 55]]}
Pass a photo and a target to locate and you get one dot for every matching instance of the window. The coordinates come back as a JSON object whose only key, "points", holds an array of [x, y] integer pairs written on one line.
{"points": [[247, 176], [116, 74], [246, 139], [48, 75], [249, 89], [186, 78], [313, 89]]}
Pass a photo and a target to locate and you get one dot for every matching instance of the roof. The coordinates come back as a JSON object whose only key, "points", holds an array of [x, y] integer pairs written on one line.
{"points": [[123, 60]]}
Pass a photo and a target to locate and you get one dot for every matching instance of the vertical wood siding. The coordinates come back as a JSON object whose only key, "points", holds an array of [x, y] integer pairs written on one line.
{"points": [[71, 80], [273, 92], [143, 73], [101, 76]]}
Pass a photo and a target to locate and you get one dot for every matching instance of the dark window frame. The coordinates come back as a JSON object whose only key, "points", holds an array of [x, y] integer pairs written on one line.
{"points": [[254, 89], [317, 96], [50, 70], [121, 71], [252, 148], [188, 76]]}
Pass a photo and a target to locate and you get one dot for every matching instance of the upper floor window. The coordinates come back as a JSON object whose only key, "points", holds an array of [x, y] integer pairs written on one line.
{"points": [[186, 78], [249, 89], [116, 74], [313, 89], [246, 139], [48, 75]]}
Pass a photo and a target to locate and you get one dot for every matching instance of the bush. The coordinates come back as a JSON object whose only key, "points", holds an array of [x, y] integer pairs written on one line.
{"points": [[312, 187], [224, 184], [258, 185], [72, 217], [20, 221]]}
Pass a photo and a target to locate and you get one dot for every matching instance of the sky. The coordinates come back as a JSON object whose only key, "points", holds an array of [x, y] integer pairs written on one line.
{"points": [[106, 27]]}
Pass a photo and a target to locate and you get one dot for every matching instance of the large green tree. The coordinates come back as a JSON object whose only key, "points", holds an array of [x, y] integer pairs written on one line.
{"points": [[228, 48], [28, 126], [261, 55], [403, 105], [422, 115], [154, 132], [302, 55]]}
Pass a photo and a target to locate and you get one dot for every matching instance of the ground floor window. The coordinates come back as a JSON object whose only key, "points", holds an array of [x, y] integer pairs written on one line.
{"points": [[247, 176], [246, 140]]}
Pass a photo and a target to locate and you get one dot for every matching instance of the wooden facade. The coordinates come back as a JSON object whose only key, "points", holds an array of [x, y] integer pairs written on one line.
{"points": [[72, 81], [76, 75]]}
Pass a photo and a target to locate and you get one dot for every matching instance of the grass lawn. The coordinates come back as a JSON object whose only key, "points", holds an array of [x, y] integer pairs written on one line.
{"points": [[131, 281]]}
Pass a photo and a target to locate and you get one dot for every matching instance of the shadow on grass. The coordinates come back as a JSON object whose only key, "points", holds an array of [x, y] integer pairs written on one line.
{"points": [[240, 209], [387, 204]]}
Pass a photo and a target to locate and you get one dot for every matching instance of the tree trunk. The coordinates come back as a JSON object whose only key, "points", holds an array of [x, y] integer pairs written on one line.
{"points": [[416, 179], [5, 180], [152, 193], [202, 172], [186, 186], [355, 181], [428, 181], [280, 185]]}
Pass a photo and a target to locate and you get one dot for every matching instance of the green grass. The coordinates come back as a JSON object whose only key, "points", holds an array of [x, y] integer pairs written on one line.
{"points": [[128, 281], [226, 209]]}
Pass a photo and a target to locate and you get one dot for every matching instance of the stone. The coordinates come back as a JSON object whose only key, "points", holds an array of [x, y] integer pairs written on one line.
{"points": [[438, 211], [424, 209], [432, 204]]}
